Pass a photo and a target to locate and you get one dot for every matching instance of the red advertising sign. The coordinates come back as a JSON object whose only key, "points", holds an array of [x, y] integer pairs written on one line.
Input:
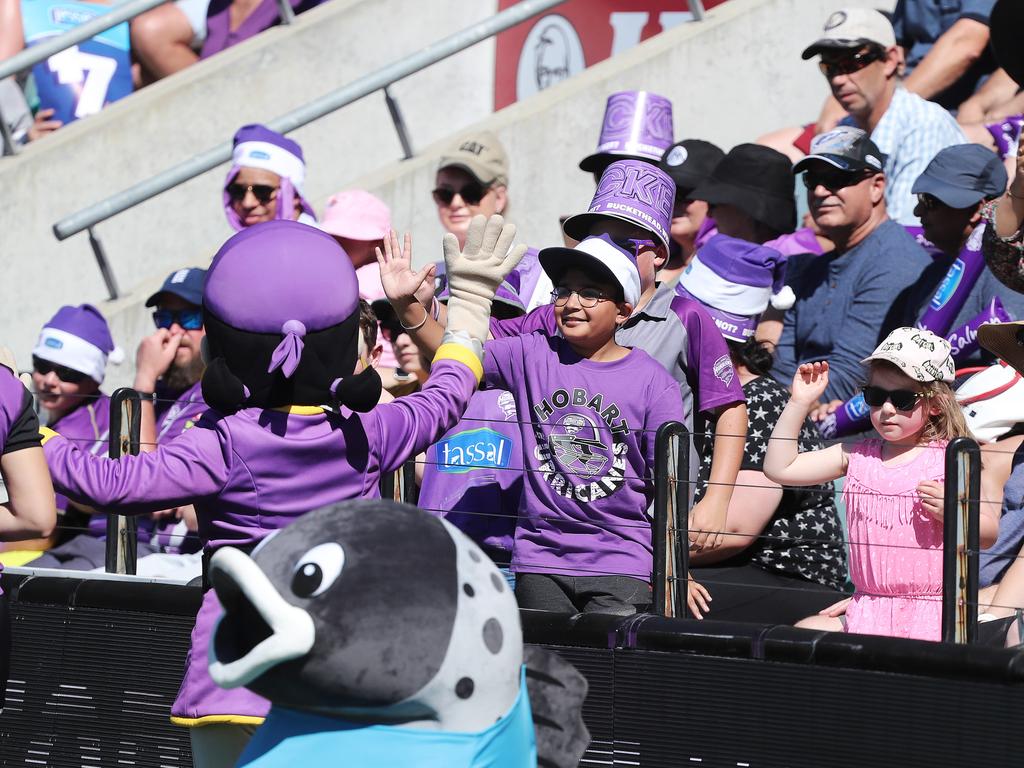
{"points": [[545, 50]]}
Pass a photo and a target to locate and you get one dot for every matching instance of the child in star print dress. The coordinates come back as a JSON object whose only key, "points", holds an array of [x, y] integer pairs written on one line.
{"points": [[894, 486]]}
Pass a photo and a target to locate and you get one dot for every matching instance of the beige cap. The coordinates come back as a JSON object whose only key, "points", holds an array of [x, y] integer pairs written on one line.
{"points": [[479, 154], [852, 28], [1005, 341], [920, 354]]}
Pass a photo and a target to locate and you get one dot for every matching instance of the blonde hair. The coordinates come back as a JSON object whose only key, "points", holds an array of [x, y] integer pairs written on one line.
{"points": [[949, 423]]}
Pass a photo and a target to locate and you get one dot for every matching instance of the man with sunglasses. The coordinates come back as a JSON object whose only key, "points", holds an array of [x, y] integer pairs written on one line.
{"points": [[861, 61], [875, 279], [952, 194]]}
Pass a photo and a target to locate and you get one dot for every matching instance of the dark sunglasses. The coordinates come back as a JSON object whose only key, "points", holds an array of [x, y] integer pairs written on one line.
{"points": [[634, 244], [69, 375], [929, 202], [188, 319], [264, 193], [833, 179], [587, 297], [901, 399], [847, 65], [471, 194]]}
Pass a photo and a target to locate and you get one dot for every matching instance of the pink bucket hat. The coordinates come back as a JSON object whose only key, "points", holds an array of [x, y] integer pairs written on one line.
{"points": [[356, 215]]}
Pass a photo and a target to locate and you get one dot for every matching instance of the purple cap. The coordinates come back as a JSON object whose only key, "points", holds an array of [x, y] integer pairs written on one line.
{"points": [[632, 191], [79, 338], [279, 273], [259, 134], [637, 124], [735, 280]]}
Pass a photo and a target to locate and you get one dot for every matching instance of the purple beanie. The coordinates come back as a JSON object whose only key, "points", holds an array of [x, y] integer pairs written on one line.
{"points": [[79, 338], [256, 146], [736, 280], [632, 191]]}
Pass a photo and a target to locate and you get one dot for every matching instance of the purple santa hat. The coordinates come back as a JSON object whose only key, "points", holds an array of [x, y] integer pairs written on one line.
{"points": [[79, 338], [281, 307], [256, 146], [736, 280], [637, 124], [632, 191]]}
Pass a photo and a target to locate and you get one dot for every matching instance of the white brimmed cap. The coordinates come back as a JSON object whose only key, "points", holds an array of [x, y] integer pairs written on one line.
{"points": [[600, 252], [853, 28]]}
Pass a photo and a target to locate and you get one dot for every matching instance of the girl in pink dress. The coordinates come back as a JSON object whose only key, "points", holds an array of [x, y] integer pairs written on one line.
{"points": [[894, 486]]}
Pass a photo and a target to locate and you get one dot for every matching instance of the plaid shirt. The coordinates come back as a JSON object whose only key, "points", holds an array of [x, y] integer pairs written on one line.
{"points": [[911, 133]]}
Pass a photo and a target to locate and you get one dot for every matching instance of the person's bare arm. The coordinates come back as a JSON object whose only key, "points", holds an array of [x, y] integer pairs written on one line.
{"points": [[155, 355], [831, 113], [30, 510], [986, 104], [12, 36], [952, 55], [1010, 208], [753, 503], [708, 516]]}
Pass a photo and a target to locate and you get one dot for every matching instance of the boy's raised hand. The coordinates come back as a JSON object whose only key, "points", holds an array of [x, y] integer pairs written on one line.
{"points": [[401, 285], [809, 383], [475, 272]]}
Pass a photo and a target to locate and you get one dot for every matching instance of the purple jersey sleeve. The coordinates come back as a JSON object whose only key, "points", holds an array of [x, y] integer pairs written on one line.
{"points": [[179, 472], [410, 424], [540, 319], [500, 362], [664, 408], [709, 366]]}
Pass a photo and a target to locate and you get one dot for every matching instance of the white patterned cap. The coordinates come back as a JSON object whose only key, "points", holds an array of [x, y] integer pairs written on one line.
{"points": [[920, 354]]}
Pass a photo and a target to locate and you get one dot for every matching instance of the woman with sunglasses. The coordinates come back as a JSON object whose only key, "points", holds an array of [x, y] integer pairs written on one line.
{"points": [[265, 180], [894, 485]]}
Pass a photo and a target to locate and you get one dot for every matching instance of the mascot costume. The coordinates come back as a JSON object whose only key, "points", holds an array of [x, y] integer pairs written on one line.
{"points": [[291, 427], [383, 636]]}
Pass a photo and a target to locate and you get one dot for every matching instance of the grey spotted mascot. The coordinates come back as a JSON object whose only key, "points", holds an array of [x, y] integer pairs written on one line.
{"points": [[383, 636]]}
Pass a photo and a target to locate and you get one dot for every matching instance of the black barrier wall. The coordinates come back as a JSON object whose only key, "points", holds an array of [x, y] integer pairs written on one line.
{"points": [[96, 666]]}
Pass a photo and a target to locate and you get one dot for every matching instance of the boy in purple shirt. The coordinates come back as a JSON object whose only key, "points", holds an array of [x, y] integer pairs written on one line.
{"points": [[266, 452], [583, 537]]}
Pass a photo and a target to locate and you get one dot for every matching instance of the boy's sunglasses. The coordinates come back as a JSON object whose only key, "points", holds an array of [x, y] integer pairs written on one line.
{"points": [[264, 193], [634, 244], [901, 399], [847, 65], [587, 297], [471, 194], [188, 319], [69, 375], [832, 179]]}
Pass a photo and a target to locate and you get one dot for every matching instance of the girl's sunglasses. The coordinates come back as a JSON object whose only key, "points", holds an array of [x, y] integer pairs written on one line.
{"points": [[264, 193], [69, 375], [188, 319], [471, 194], [901, 399]]}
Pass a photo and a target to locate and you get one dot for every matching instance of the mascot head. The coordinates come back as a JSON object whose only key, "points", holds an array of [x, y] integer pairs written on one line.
{"points": [[281, 308]]}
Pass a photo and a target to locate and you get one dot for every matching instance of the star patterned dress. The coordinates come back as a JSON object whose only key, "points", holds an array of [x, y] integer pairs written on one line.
{"points": [[803, 539]]}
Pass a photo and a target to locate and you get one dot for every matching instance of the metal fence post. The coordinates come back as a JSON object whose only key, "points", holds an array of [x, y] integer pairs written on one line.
{"points": [[105, 271], [410, 491], [671, 519], [697, 9], [10, 146], [287, 13], [125, 436], [961, 508], [399, 122]]}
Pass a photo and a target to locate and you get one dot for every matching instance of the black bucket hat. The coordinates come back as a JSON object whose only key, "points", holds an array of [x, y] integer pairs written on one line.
{"points": [[758, 181]]}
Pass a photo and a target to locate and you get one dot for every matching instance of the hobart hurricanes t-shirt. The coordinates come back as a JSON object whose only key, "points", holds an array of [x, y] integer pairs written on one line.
{"points": [[588, 448]]}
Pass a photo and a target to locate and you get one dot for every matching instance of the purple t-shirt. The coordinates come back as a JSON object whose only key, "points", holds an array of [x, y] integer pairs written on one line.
{"points": [[588, 454], [88, 427], [258, 470], [675, 331], [12, 403], [218, 22], [473, 475]]}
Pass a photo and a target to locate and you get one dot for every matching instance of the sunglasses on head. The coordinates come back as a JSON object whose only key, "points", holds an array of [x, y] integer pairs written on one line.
{"points": [[471, 193], [587, 297], [188, 319], [901, 399], [847, 65], [69, 375], [264, 193], [832, 179]]}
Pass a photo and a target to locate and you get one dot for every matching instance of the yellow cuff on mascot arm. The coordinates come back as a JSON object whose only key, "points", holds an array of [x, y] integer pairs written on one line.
{"points": [[461, 354], [47, 434]]}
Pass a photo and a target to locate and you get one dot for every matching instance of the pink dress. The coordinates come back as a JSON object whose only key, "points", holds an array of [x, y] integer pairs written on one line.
{"points": [[895, 546]]}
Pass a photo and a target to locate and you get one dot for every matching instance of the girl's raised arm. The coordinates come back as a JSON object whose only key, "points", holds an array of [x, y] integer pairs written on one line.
{"points": [[783, 463]]}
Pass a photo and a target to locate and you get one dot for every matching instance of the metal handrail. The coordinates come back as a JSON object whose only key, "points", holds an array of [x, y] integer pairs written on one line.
{"points": [[341, 97], [122, 530], [671, 520], [117, 14]]}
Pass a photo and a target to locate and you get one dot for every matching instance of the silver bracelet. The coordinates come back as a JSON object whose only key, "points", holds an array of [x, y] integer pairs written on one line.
{"points": [[418, 325]]}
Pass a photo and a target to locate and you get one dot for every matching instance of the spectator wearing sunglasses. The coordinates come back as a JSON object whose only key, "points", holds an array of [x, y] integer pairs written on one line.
{"points": [[956, 189], [68, 366], [862, 63], [472, 179], [265, 181], [846, 301]]}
